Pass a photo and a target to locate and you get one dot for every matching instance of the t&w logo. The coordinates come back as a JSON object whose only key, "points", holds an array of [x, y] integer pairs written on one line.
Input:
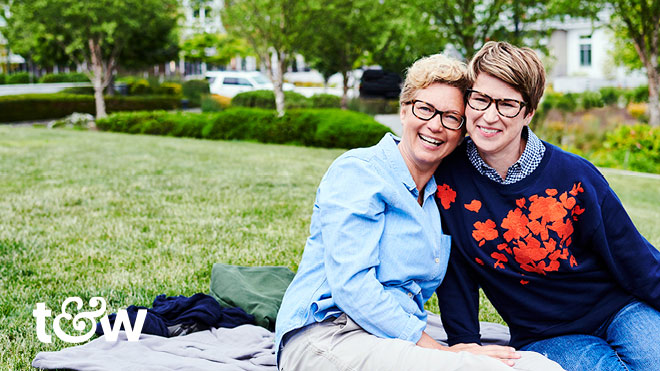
{"points": [[81, 320]]}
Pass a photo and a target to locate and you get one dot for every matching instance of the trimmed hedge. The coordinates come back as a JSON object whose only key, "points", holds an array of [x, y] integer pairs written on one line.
{"points": [[331, 128], [52, 106], [266, 99], [64, 77]]}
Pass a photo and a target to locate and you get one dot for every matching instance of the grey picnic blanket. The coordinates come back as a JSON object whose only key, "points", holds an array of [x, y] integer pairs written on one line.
{"points": [[246, 347]]}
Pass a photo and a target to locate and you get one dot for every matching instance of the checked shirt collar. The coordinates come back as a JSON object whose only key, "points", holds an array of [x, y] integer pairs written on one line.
{"points": [[526, 164]]}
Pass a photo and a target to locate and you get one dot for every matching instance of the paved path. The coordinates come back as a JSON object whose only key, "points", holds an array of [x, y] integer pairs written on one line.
{"points": [[392, 121], [47, 88]]}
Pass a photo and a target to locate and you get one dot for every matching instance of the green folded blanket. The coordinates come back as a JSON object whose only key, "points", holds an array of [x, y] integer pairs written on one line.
{"points": [[257, 290]]}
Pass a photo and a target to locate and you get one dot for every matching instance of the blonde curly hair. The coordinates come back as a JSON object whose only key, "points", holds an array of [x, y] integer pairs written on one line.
{"points": [[435, 68]]}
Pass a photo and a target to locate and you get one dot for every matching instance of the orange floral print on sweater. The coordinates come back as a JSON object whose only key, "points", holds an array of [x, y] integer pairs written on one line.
{"points": [[536, 233]]}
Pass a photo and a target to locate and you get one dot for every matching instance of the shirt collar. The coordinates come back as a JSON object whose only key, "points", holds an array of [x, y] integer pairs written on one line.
{"points": [[528, 161], [390, 144]]}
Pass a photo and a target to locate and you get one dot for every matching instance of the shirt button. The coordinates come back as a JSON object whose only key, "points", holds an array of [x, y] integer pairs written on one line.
{"points": [[410, 294], [437, 260]]}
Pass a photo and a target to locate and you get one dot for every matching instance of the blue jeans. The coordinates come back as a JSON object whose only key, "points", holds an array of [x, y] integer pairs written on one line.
{"points": [[630, 342]]}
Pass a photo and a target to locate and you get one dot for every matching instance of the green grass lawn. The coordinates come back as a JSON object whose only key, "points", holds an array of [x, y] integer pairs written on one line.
{"points": [[129, 217]]}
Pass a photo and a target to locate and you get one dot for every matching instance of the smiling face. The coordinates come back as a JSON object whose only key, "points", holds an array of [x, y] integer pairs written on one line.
{"points": [[425, 143], [498, 138]]}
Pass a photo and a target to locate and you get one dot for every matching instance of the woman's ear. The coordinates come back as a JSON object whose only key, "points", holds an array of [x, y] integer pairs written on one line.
{"points": [[528, 118]]}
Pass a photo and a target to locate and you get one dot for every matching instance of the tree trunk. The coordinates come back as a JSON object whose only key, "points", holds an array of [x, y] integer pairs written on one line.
{"points": [[278, 83], [344, 97], [654, 97], [97, 77]]}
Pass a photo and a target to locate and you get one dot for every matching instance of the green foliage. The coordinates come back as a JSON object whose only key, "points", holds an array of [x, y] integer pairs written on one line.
{"points": [[193, 91], [102, 33], [266, 99], [82, 90], [170, 88], [332, 128], [374, 106], [639, 94], [216, 49], [64, 77], [591, 99], [325, 101], [210, 104], [347, 129], [51, 106], [610, 95], [20, 78], [631, 147], [3, 78], [139, 87]]}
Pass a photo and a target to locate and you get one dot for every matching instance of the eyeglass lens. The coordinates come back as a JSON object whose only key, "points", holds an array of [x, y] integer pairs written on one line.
{"points": [[506, 107], [424, 111]]}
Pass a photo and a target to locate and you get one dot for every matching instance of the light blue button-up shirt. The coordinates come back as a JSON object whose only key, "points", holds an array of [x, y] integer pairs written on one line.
{"points": [[374, 253]]}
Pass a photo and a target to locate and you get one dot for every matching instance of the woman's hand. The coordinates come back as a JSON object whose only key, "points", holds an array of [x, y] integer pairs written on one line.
{"points": [[503, 353]]}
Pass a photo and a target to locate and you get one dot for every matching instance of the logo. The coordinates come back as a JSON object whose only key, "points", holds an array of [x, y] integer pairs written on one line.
{"points": [[81, 320]]}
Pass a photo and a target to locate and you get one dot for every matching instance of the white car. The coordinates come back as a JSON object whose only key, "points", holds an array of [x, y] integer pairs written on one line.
{"points": [[230, 83]]}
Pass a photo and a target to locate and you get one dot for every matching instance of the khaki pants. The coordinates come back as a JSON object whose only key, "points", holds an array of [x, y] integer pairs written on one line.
{"points": [[342, 345]]}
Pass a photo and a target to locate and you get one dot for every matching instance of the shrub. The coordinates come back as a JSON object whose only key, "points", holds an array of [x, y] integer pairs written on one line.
{"points": [[64, 77], [591, 99], [610, 95], [169, 88], [639, 94], [374, 106], [346, 129], [3, 78], [638, 110], [631, 147], [51, 106], [139, 87], [266, 99], [214, 103], [325, 101], [20, 78], [313, 127], [81, 90], [193, 91]]}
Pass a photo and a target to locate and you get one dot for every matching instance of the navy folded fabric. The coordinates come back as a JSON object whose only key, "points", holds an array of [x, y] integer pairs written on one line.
{"points": [[198, 312]]}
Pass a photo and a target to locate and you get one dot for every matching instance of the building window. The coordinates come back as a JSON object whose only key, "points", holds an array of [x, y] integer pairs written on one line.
{"points": [[585, 50]]}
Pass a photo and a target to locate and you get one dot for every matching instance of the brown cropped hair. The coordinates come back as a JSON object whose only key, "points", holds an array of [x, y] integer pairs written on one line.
{"points": [[435, 68], [519, 67]]}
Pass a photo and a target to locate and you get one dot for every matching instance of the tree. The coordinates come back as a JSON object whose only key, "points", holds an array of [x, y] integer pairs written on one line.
{"points": [[468, 24], [343, 31], [215, 49], [634, 20], [407, 35], [100, 33], [272, 28]]}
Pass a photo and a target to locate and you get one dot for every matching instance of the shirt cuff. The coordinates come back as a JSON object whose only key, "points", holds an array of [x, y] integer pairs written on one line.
{"points": [[413, 329]]}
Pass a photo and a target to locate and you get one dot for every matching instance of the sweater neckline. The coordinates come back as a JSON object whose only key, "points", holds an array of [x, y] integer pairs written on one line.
{"points": [[517, 186]]}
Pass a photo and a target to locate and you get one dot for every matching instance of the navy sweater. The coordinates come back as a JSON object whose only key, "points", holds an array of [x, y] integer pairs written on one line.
{"points": [[555, 253]]}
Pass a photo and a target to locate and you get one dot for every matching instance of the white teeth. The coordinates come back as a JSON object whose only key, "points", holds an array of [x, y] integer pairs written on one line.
{"points": [[488, 131], [430, 140]]}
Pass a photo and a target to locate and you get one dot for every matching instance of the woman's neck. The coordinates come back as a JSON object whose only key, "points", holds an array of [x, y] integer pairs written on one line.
{"points": [[503, 160]]}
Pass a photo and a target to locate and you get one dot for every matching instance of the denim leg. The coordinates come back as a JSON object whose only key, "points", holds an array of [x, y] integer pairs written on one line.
{"points": [[579, 353], [635, 335]]}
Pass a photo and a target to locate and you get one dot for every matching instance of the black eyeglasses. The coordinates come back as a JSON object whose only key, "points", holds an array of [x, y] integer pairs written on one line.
{"points": [[426, 111], [506, 107]]}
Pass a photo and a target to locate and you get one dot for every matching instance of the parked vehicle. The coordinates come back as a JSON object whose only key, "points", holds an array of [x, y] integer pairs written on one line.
{"points": [[230, 83], [380, 83]]}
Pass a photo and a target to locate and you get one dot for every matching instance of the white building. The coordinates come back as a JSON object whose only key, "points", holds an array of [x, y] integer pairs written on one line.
{"points": [[581, 57]]}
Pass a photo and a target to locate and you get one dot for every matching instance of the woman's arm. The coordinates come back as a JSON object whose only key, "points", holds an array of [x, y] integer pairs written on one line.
{"points": [[352, 202]]}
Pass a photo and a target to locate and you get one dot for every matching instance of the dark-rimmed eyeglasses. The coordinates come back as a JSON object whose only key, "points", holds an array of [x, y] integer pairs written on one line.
{"points": [[425, 111], [506, 107]]}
